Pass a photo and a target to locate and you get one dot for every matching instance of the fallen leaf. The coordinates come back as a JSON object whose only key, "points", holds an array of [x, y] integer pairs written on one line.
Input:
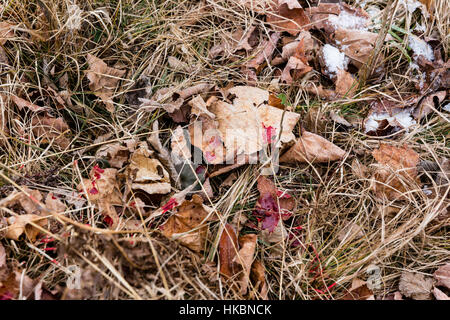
{"points": [[54, 204], [358, 45], [428, 104], [6, 32], [312, 148], [238, 40], [49, 129], [298, 62], [102, 190], [351, 231], [146, 173], [439, 295], [397, 167], [268, 47], [442, 276], [228, 248], [188, 224], [103, 80], [244, 258], [346, 85], [272, 205], [359, 291], [22, 224], [288, 16], [2, 256], [258, 277], [415, 286], [24, 104]]}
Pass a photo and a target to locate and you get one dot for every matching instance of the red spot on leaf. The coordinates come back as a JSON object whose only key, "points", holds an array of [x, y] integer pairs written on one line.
{"points": [[169, 205]]}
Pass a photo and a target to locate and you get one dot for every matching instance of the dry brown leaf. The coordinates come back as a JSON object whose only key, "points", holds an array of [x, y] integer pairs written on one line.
{"points": [[24, 104], [268, 47], [6, 32], [146, 173], [228, 248], [359, 291], [54, 204], [49, 129], [245, 257], [21, 224], [103, 80], [188, 224], [439, 295], [442, 276], [242, 128], [298, 62], [346, 85], [288, 16], [2, 256], [116, 153], [312, 148], [239, 41], [28, 203], [415, 286], [428, 104], [398, 166], [358, 45], [258, 277]]}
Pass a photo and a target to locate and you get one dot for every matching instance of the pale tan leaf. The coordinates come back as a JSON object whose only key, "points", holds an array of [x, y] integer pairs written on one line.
{"points": [[415, 286]]}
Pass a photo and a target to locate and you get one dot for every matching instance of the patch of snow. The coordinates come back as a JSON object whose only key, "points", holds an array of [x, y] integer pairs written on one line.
{"points": [[420, 28], [346, 20], [400, 117], [447, 107], [334, 59], [420, 47], [412, 5]]}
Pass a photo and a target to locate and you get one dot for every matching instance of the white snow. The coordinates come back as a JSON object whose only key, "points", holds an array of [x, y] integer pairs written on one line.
{"points": [[400, 117], [346, 20], [334, 59], [420, 47], [411, 5], [447, 107]]}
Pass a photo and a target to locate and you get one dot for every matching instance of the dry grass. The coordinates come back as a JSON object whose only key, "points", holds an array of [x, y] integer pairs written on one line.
{"points": [[140, 35]]}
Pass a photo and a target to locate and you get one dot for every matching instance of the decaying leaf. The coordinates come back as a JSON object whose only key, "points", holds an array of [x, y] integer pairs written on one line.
{"points": [[49, 129], [288, 16], [415, 285], [238, 40], [188, 224], [117, 153], [241, 128], [102, 190], [312, 148], [442, 276], [23, 224], [103, 80], [298, 63], [439, 295], [398, 167], [146, 173], [428, 104], [358, 45], [359, 291], [272, 206], [228, 248], [6, 32], [54, 204], [258, 277], [24, 104], [346, 84], [244, 258]]}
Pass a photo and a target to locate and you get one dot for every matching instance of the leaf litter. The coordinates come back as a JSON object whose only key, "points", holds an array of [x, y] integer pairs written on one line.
{"points": [[135, 190]]}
